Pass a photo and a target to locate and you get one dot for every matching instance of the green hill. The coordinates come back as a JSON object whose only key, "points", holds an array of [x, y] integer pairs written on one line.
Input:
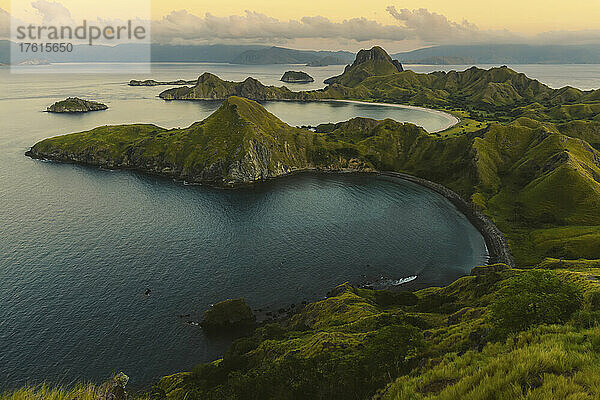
{"points": [[239, 143], [211, 87]]}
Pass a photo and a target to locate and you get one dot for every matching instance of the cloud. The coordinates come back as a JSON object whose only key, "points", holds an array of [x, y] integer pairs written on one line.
{"points": [[52, 13], [4, 24], [418, 25], [434, 28], [253, 26], [413, 29]]}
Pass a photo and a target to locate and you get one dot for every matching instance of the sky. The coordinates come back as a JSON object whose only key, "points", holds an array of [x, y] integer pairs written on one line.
{"points": [[340, 24]]}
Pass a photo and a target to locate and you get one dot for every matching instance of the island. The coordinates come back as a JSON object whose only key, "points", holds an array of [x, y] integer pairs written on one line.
{"points": [[526, 158], [152, 82], [75, 105], [296, 77]]}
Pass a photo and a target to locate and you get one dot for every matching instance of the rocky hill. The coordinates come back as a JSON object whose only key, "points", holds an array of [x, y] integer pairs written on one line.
{"points": [[239, 143], [296, 77], [211, 87], [373, 62]]}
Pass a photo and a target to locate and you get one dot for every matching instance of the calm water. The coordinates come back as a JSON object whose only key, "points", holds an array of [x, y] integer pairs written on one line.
{"points": [[78, 245]]}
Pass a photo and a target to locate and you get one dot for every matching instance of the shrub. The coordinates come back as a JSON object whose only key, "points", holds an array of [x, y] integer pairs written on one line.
{"points": [[593, 300], [388, 298], [532, 298], [586, 319]]}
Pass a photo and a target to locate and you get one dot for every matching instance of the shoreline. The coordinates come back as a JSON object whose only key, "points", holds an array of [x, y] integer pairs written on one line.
{"points": [[452, 120], [495, 241]]}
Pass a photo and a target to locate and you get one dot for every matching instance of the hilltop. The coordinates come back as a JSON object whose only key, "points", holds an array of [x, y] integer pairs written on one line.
{"points": [[368, 63], [239, 143]]}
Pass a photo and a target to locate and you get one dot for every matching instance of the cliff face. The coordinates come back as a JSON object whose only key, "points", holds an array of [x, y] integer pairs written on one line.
{"points": [[75, 105]]}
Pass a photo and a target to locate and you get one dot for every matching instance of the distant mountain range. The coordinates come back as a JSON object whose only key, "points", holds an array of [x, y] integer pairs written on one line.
{"points": [[234, 54], [503, 54], [280, 55], [496, 54]]}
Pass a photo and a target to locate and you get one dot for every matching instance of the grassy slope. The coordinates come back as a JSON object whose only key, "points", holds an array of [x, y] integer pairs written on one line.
{"points": [[438, 343], [534, 180], [554, 362], [240, 137], [453, 349]]}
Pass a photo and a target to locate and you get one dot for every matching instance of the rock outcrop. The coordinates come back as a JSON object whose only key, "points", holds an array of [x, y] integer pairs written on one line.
{"points": [[297, 77], [373, 62], [229, 314], [75, 105]]}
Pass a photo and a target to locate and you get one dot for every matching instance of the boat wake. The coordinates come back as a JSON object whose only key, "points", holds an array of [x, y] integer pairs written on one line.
{"points": [[387, 283]]}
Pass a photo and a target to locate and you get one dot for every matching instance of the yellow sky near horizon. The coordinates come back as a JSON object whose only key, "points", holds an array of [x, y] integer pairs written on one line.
{"points": [[529, 16]]}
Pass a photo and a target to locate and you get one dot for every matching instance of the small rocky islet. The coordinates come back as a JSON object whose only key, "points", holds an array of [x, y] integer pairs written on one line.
{"points": [[230, 314], [296, 77], [76, 105], [152, 82]]}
